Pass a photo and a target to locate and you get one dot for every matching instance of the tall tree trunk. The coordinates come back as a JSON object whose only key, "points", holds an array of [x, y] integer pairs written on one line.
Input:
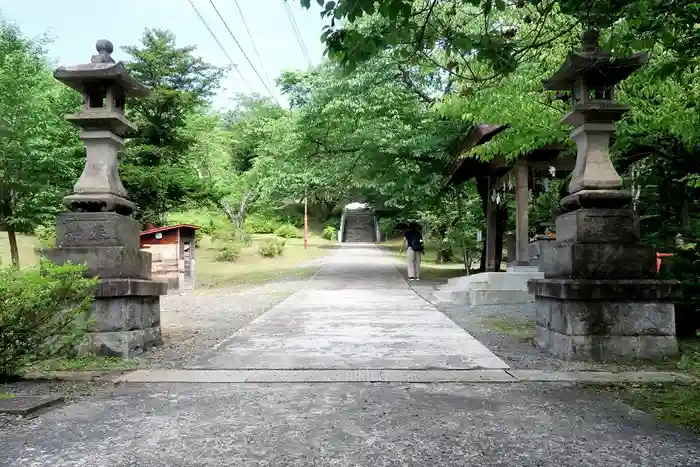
{"points": [[14, 251]]}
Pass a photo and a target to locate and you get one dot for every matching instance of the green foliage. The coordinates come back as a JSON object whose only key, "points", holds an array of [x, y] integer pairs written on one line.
{"points": [[261, 225], [272, 248], [497, 35], [40, 153], [330, 233], [229, 252], [287, 231], [158, 168], [46, 236], [39, 311], [387, 226]]}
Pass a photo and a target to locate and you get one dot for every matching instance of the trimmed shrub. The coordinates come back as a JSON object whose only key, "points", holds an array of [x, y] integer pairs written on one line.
{"points": [[39, 313], [287, 231], [229, 252], [330, 233], [272, 248]]}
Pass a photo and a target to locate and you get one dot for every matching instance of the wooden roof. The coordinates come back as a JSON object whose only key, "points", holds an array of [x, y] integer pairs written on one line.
{"points": [[479, 134], [169, 227]]}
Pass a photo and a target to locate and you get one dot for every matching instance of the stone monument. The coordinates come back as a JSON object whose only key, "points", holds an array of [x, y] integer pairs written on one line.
{"points": [[99, 231], [599, 299]]}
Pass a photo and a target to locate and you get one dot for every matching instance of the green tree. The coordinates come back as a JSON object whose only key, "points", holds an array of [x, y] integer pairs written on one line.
{"points": [[159, 168], [40, 154], [421, 26]]}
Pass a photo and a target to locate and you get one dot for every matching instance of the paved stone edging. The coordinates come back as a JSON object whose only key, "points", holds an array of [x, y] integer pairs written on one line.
{"points": [[396, 376]]}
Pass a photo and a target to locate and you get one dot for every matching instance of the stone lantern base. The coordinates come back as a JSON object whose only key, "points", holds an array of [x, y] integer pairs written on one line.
{"points": [[599, 299], [580, 319], [125, 316]]}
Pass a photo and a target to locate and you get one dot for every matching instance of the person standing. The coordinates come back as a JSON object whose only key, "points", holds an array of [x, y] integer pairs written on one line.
{"points": [[413, 245]]}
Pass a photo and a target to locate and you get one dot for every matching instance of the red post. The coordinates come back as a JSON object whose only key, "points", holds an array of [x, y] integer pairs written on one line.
{"points": [[658, 260], [306, 225]]}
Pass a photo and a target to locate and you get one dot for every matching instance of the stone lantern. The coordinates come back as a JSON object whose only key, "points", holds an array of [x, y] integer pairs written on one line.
{"points": [[599, 299], [99, 231]]}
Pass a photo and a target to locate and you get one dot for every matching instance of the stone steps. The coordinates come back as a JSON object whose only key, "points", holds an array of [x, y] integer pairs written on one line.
{"points": [[359, 226], [488, 288]]}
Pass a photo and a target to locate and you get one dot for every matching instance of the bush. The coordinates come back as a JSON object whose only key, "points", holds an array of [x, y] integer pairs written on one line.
{"points": [[330, 233], [229, 252], [38, 311], [272, 248], [260, 225], [46, 236], [287, 231], [209, 221], [296, 221]]}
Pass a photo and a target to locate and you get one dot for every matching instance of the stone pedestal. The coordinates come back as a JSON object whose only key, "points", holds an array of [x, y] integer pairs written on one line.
{"points": [[599, 299], [125, 316], [583, 319]]}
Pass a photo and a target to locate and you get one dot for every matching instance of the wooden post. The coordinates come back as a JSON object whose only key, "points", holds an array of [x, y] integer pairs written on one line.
{"points": [[521, 213], [306, 224], [491, 228]]}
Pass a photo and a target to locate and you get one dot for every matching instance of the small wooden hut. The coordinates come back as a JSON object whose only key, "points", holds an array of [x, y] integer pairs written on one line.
{"points": [[173, 255]]}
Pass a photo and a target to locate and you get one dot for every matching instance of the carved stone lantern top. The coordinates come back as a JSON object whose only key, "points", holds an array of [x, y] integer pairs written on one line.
{"points": [[104, 84], [591, 75]]}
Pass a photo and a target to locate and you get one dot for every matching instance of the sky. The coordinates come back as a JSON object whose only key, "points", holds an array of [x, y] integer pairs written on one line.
{"points": [[75, 26]]}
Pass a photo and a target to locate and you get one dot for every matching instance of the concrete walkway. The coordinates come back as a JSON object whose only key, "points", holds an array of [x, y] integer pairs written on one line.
{"points": [[357, 313], [358, 323]]}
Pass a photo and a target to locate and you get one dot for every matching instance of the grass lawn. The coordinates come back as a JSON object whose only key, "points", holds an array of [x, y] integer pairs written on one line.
{"points": [[429, 270], [250, 268], [86, 363], [27, 250], [524, 328], [677, 404]]}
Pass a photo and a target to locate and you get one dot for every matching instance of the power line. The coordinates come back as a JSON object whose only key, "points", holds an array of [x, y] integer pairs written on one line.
{"points": [[295, 27], [234, 64], [255, 49], [242, 51]]}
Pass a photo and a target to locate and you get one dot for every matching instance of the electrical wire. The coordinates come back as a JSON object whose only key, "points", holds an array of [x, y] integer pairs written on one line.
{"points": [[252, 41], [295, 28], [218, 42], [243, 51]]}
